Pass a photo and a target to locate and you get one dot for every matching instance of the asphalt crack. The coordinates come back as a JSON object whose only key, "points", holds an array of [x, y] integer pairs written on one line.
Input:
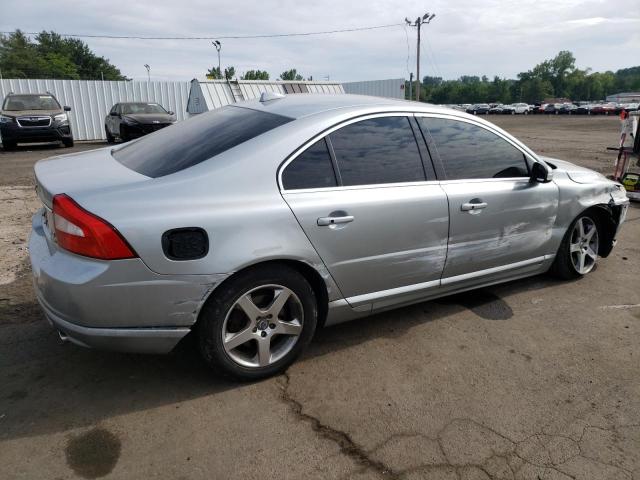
{"points": [[344, 441]]}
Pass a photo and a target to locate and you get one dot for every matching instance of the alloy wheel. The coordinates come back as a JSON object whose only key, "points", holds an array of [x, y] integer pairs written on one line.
{"points": [[262, 326], [583, 247]]}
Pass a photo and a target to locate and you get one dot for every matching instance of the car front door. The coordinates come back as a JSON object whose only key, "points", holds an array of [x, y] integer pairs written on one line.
{"points": [[367, 198], [501, 223]]}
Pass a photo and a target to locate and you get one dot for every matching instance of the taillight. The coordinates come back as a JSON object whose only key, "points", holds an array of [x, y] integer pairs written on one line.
{"points": [[86, 234]]}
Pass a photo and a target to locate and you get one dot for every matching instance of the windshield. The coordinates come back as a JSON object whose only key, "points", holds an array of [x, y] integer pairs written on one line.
{"points": [[30, 102], [137, 108], [195, 140]]}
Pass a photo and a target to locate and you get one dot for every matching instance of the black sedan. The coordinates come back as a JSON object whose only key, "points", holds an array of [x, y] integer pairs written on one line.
{"points": [[135, 119], [479, 109]]}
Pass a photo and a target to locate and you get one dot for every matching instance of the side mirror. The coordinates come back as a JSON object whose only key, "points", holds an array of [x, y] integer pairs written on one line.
{"points": [[114, 114], [67, 109], [170, 112], [540, 173]]}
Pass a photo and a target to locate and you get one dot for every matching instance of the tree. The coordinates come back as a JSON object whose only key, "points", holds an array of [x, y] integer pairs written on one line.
{"points": [[52, 56], [291, 75], [255, 75], [214, 73], [229, 72]]}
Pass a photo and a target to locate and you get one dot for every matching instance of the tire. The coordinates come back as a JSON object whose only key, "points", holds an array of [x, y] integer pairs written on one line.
{"points": [[526, 112], [110, 138], [564, 265], [256, 288], [67, 142], [8, 145], [124, 137]]}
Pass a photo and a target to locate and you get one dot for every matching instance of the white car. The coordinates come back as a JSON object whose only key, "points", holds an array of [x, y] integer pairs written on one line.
{"points": [[521, 108]]}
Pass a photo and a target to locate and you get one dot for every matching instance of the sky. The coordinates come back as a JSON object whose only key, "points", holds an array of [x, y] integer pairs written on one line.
{"points": [[467, 37]]}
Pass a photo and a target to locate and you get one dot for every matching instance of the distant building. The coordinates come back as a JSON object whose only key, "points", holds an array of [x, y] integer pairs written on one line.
{"points": [[624, 97]]}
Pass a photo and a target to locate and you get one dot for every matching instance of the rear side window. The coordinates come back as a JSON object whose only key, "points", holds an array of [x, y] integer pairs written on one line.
{"points": [[468, 151], [311, 169], [193, 141], [378, 150]]}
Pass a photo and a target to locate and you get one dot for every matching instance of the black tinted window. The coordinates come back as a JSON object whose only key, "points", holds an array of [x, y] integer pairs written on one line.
{"points": [[379, 150], [195, 140], [469, 151], [311, 169]]}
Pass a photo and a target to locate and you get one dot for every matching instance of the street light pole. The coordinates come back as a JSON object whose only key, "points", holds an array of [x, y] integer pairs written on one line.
{"points": [[424, 20], [148, 69], [218, 46]]}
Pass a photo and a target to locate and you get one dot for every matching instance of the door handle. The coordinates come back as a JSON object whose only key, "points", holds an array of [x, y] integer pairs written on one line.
{"points": [[467, 207], [327, 221]]}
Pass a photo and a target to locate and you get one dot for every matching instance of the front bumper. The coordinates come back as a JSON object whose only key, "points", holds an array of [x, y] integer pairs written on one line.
{"points": [[114, 305], [136, 130], [15, 133]]}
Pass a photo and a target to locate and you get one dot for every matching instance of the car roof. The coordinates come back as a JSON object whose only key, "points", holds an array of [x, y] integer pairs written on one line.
{"points": [[300, 105]]}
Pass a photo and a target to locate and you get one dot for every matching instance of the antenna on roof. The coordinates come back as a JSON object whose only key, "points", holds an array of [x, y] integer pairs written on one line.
{"points": [[269, 96]]}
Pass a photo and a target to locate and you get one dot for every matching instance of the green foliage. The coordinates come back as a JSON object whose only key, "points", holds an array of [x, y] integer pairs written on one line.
{"points": [[291, 75], [556, 77], [51, 56], [229, 72], [214, 73], [255, 75]]}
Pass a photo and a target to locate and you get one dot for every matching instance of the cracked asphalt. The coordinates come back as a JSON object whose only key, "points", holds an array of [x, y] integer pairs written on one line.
{"points": [[535, 379]]}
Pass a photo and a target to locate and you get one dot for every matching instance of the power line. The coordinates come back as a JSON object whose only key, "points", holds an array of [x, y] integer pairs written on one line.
{"points": [[223, 37]]}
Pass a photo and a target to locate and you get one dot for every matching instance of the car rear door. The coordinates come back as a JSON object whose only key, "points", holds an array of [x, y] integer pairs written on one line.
{"points": [[367, 199], [501, 223]]}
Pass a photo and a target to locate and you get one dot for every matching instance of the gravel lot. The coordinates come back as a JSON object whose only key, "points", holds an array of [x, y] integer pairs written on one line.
{"points": [[535, 379]]}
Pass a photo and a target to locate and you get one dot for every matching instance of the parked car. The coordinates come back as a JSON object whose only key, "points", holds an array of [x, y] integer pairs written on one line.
{"points": [[567, 109], [552, 108], [582, 109], [254, 224], [479, 109], [521, 108], [30, 118], [536, 108], [497, 109], [603, 109], [508, 110], [631, 107], [129, 120]]}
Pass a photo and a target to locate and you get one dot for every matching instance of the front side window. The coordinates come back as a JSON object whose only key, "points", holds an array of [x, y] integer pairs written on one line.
{"points": [[311, 169], [195, 140], [468, 151], [376, 151]]}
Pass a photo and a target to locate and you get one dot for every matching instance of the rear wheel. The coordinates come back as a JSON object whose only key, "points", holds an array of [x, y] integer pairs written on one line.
{"points": [[258, 322], [578, 251]]}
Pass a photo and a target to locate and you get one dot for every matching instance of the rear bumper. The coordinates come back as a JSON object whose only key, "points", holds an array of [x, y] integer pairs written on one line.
{"points": [[14, 133], [115, 305]]}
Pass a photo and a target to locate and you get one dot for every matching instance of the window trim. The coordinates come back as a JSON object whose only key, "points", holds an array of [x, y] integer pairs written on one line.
{"points": [[325, 134], [529, 156]]}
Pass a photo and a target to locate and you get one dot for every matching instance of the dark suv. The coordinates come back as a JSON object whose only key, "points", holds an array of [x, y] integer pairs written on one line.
{"points": [[29, 118]]}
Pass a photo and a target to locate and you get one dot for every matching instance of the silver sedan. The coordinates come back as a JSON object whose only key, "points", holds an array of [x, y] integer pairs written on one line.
{"points": [[255, 224]]}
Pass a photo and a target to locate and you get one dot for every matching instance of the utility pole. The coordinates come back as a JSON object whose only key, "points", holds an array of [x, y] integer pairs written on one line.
{"points": [[424, 20], [146, 65], [218, 46], [410, 85]]}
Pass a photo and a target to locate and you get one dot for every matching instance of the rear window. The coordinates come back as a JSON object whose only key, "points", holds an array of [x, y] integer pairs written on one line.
{"points": [[193, 141]]}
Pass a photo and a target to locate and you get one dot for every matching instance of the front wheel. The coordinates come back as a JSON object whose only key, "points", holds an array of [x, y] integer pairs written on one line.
{"points": [[110, 138], [9, 145], [67, 142], [258, 322], [578, 251]]}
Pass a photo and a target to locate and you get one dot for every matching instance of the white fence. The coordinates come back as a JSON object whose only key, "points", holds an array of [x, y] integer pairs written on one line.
{"points": [[393, 88], [90, 100]]}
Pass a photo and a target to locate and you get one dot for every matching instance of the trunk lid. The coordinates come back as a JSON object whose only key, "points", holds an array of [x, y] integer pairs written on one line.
{"points": [[82, 171]]}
